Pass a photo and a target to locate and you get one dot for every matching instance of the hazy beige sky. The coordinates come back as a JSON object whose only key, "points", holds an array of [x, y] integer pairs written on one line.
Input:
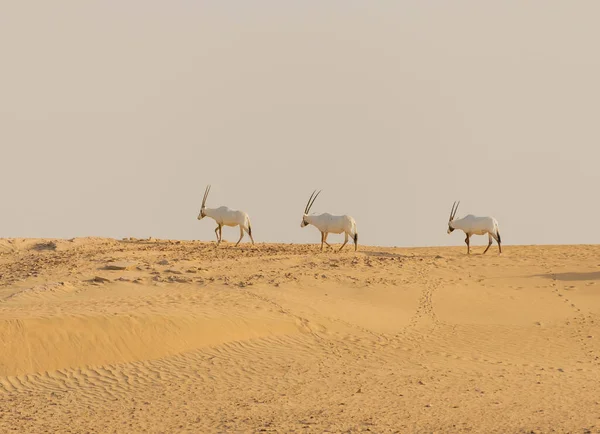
{"points": [[115, 115]]}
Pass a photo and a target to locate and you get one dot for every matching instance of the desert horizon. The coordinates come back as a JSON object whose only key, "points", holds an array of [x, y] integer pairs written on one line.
{"points": [[106, 335]]}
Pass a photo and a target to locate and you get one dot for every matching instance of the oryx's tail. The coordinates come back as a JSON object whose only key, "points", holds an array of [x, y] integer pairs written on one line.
{"points": [[498, 232]]}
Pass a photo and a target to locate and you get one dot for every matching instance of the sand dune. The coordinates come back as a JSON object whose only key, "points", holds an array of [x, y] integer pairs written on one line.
{"points": [[99, 335]]}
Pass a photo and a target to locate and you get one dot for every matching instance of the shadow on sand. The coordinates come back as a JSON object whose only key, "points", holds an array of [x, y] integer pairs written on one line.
{"points": [[49, 245], [395, 255], [384, 254], [571, 277]]}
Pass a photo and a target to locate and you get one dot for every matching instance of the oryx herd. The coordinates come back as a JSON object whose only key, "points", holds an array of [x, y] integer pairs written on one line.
{"points": [[337, 224]]}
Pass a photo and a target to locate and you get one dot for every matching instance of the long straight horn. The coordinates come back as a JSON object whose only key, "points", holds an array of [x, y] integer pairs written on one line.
{"points": [[455, 209], [205, 195], [313, 201], [452, 211], [308, 203]]}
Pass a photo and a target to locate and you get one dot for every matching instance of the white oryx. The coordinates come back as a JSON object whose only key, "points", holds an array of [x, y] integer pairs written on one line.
{"points": [[327, 223], [226, 217], [472, 225]]}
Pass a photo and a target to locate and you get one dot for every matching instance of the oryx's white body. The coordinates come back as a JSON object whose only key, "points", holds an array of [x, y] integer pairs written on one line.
{"points": [[476, 225], [225, 216], [473, 225], [330, 224]]}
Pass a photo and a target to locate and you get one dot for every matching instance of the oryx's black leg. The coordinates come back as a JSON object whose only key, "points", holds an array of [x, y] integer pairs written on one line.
{"points": [[499, 241], [322, 239], [468, 244], [249, 232], [489, 243], [217, 233]]}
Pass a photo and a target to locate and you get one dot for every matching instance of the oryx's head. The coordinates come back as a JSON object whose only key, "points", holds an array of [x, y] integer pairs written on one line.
{"points": [[202, 213], [452, 214], [309, 204]]}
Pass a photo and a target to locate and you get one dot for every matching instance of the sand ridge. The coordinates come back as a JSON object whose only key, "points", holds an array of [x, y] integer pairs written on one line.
{"points": [[101, 335]]}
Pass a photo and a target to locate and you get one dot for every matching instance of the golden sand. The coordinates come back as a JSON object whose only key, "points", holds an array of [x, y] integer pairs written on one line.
{"points": [[99, 335]]}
